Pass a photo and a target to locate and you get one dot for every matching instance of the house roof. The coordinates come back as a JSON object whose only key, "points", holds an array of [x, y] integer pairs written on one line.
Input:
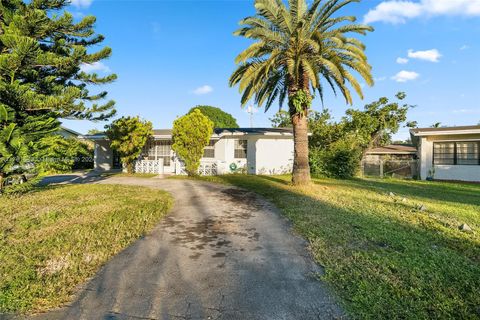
{"points": [[72, 132], [393, 149], [254, 131], [162, 132], [218, 132], [445, 130]]}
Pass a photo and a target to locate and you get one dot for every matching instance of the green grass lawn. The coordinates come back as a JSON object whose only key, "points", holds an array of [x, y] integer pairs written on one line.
{"points": [[385, 258], [52, 240]]}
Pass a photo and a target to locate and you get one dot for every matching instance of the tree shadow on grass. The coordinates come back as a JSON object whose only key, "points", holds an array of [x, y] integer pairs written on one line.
{"points": [[443, 191], [384, 266]]}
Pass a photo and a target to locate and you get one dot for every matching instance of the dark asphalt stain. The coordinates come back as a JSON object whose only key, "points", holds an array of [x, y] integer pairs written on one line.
{"points": [[219, 255], [195, 256]]}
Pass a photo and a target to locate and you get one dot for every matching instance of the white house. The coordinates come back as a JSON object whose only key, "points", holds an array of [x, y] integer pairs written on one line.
{"points": [[250, 150], [449, 153]]}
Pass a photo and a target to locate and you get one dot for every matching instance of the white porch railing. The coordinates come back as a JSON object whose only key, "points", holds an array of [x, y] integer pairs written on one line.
{"points": [[207, 168], [149, 166]]}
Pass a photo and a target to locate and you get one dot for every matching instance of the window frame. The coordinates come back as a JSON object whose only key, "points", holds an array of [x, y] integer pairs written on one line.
{"points": [[455, 153], [210, 148], [244, 148]]}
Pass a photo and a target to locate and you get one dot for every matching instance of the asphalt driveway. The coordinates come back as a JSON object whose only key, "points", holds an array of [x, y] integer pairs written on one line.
{"points": [[222, 253]]}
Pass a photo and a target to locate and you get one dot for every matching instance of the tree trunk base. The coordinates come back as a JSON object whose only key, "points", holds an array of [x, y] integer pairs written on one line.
{"points": [[301, 177]]}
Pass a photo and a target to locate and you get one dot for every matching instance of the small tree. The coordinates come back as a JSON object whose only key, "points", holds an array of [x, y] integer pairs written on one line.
{"points": [[281, 119], [13, 150], [220, 118], [128, 136], [56, 154], [191, 134]]}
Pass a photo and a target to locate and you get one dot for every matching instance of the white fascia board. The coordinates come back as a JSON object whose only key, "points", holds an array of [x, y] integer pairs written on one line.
{"points": [[444, 133]]}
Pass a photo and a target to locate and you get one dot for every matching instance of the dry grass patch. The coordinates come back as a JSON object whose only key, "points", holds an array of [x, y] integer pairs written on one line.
{"points": [[52, 240]]}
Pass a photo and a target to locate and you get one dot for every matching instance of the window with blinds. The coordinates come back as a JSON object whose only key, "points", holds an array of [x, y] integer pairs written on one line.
{"points": [[444, 153], [209, 151], [468, 153], [456, 153]]}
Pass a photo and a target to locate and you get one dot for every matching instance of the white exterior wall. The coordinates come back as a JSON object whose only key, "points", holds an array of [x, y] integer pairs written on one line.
{"points": [[103, 156], [426, 157], [458, 172], [274, 155], [224, 153], [265, 155], [445, 172]]}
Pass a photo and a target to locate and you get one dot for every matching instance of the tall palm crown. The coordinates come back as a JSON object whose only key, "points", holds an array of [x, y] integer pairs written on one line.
{"points": [[296, 52]]}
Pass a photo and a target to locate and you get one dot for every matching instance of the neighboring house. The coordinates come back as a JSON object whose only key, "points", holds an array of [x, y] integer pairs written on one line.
{"points": [[67, 133], [391, 152], [449, 153], [250, 150], [391, 160]]}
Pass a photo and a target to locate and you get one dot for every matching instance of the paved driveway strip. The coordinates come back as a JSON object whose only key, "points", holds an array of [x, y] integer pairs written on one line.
{"points": [[222, 253]]}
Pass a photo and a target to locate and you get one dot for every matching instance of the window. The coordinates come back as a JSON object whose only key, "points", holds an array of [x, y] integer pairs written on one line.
{"points": [[467, 153], [240, 149], [444, 153], [456, 153], [209, 151]]}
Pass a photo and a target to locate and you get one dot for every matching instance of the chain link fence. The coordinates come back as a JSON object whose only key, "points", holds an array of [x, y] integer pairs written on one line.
{"points": [[406, 169]]}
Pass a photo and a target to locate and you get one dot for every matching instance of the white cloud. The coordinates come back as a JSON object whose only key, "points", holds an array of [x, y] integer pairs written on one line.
{"points": [[203, 90], [94, 67], [432, 55], [464, 47], [402, 60], [404, 76], [393, 12], [399, 11], [81, 3], [380, 79]]}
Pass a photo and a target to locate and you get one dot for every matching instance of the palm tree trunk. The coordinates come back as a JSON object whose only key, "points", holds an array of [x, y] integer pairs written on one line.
{"points": [[301, 167], [1, 180]]}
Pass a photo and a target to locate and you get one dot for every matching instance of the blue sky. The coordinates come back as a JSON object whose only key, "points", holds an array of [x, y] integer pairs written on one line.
{"points": [[173, 55]]}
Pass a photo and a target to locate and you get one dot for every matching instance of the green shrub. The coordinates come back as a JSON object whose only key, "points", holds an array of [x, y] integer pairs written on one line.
{"points": [[56, 154], [19, 189], [340, 160]]}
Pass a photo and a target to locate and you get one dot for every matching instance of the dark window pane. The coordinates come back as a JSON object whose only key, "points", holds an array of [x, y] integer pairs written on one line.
{"points": [[444, 153], [240, 149]]}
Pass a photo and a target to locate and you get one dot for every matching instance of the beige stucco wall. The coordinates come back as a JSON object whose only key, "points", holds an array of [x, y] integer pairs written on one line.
{"points": [[446, 172], [103, 156]]}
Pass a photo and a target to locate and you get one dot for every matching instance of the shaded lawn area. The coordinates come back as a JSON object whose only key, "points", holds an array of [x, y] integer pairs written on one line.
{"points": [[53, 239], [130, 175], [385, 257]]}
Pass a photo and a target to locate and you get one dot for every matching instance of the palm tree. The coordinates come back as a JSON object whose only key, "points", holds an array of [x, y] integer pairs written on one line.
{"points": [[296, 52]]}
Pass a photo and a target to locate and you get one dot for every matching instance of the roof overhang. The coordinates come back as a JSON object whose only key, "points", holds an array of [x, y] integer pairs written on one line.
{"points": [[94, 137], [219, 133], [445, 131]]}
